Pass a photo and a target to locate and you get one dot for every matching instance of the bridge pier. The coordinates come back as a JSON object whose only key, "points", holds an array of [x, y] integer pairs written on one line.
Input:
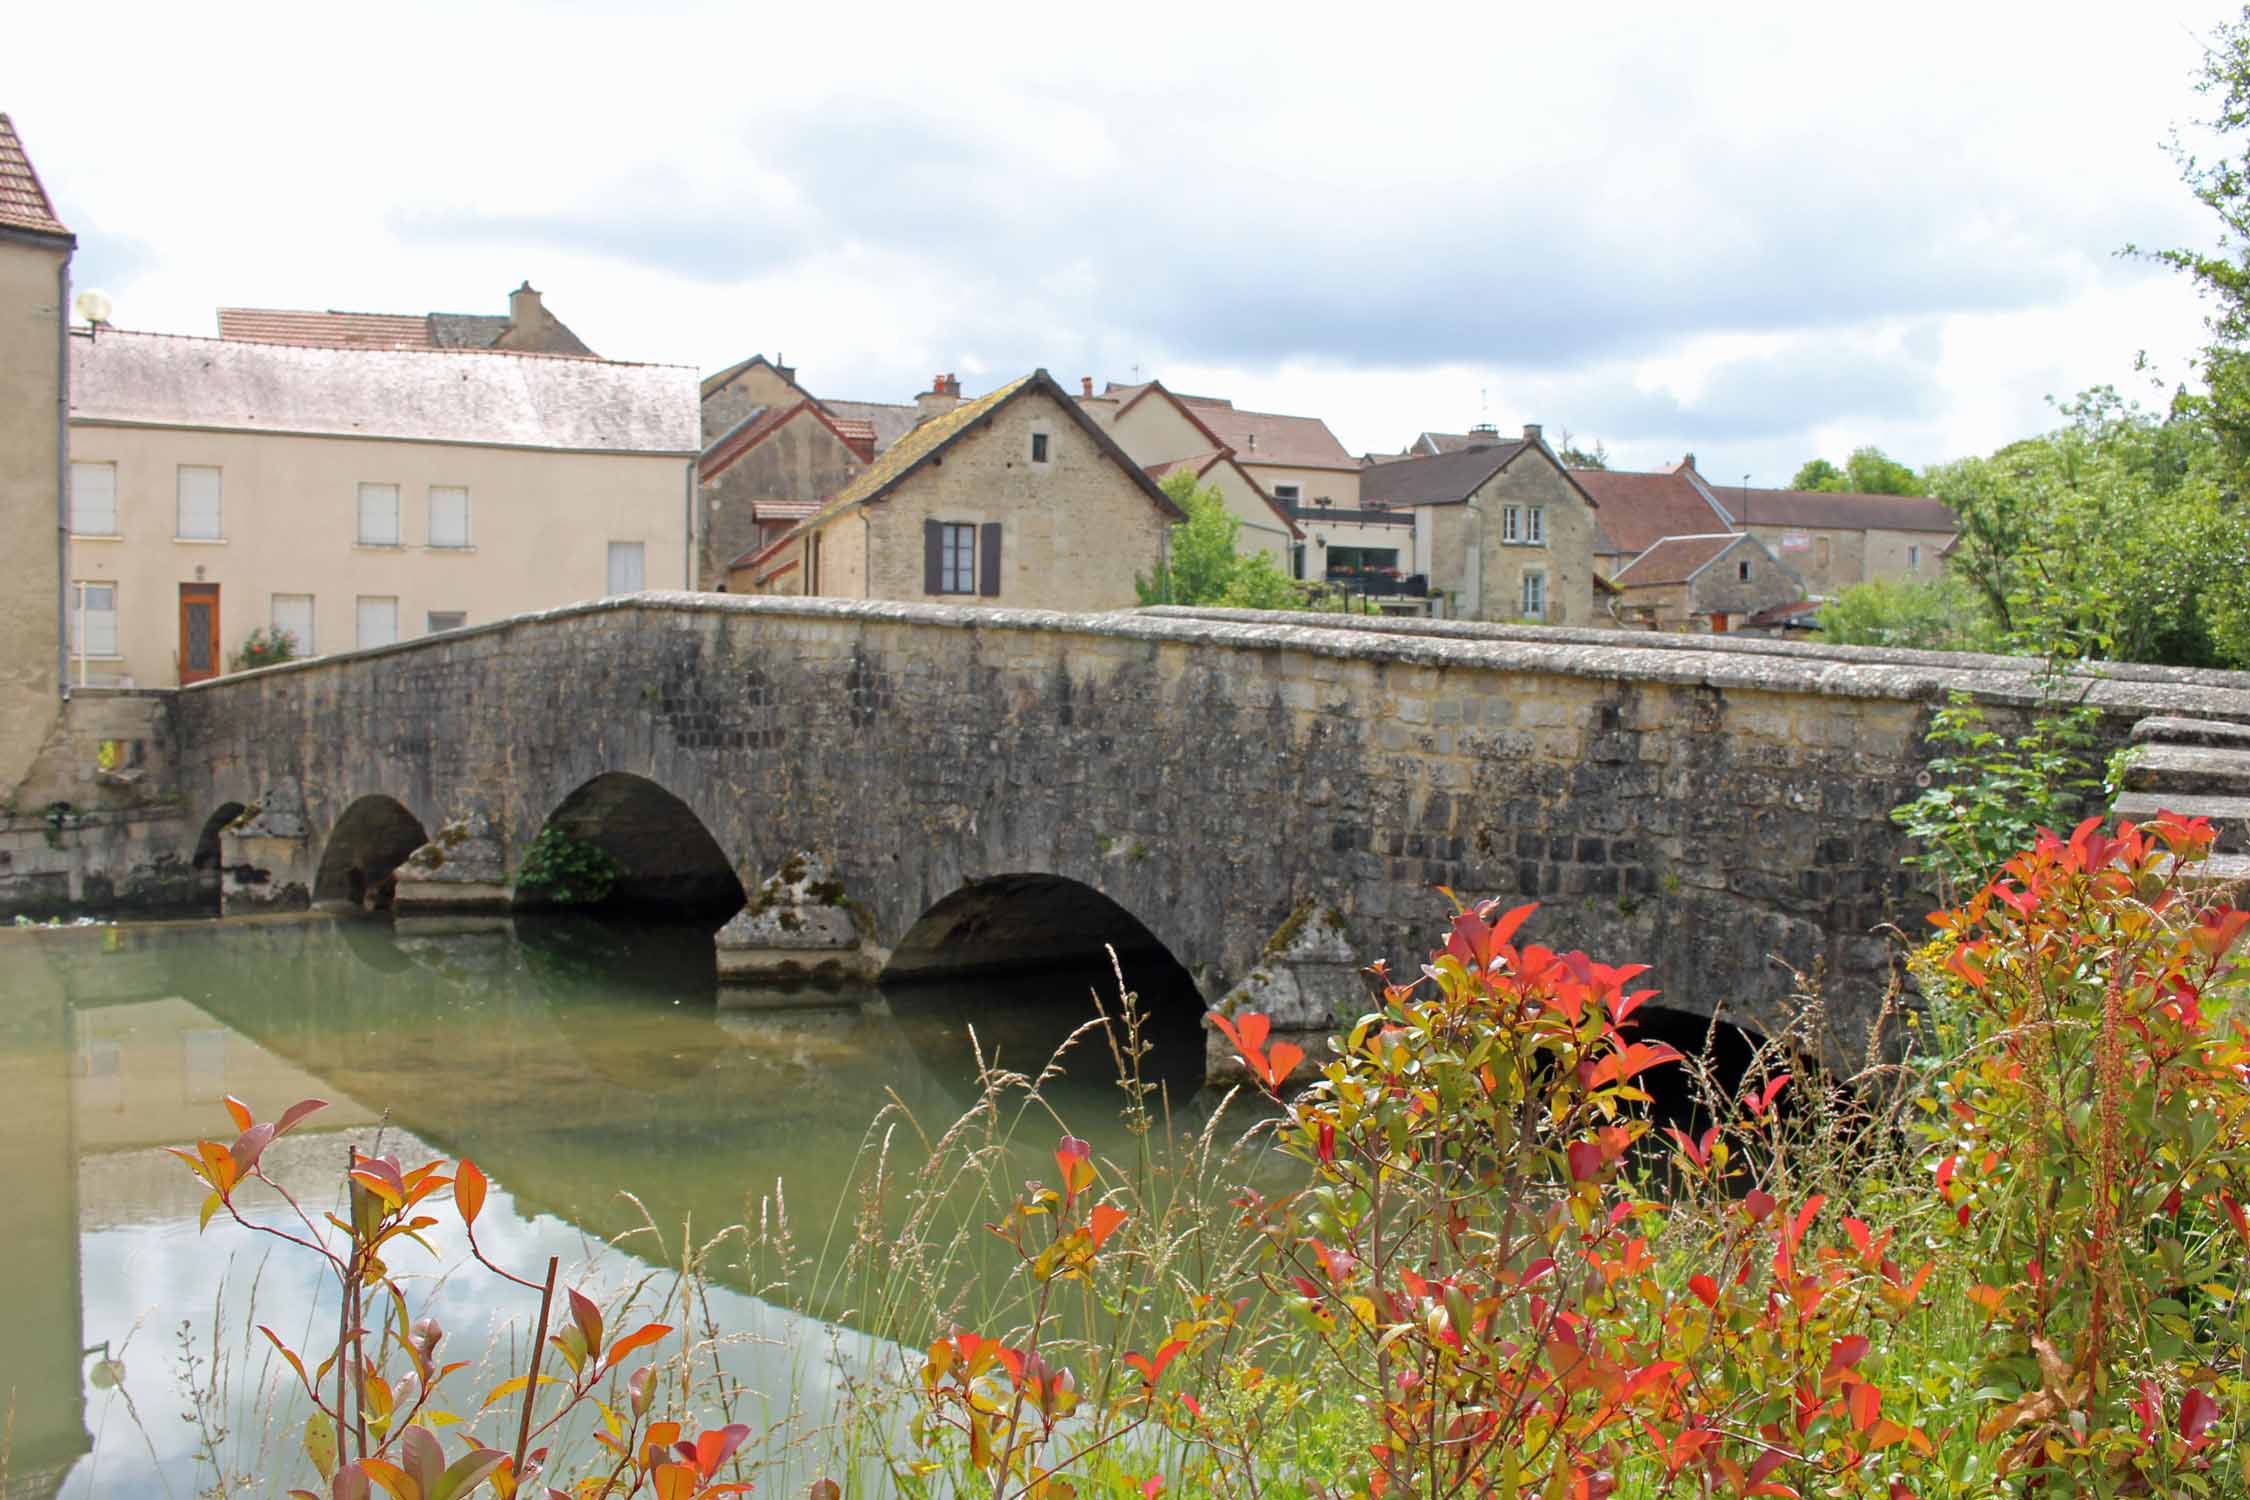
{"points": [[461, 871], [1308, 984], [266, 861], [796, 926]]}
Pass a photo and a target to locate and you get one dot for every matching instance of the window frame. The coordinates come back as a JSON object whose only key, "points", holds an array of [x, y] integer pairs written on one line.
{"points": [[306, 644], [359, 620], [1042, 447], [1535, 525], [78, 612], [432, 627], [609, 568], [218, 503], [1534, 581], [359, 532], [1742, 570], [115, 525], [956, 569], [1289, 494], [1511, 523], [430, 516]]}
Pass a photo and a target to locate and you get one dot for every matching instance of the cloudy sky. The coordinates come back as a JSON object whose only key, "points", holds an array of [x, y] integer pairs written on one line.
{"points": [[1749, 231]]}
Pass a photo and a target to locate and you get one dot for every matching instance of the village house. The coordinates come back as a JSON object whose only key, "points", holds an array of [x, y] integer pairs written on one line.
{"points": [[1703, 583], [1162, 433], [352, 496], [767, 473], [35, 251], [526, 328], [1501, 530], [1638, 510], [1836, 540], [1018, 497]]}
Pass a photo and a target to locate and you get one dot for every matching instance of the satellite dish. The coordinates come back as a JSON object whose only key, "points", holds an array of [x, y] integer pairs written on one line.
{"points": [[93, 306]]}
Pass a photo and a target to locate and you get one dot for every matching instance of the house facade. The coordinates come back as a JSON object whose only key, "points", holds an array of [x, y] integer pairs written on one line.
{"points": [[1501, 530], [1016, 498], [1703, 583], [770, 471], [353, 497], [1162, 433], [1836, 540], [35, 251]]}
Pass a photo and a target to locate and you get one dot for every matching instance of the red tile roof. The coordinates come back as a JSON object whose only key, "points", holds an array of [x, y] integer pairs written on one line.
{"points": [[1638, 510], [24, 203], [325, 330], [1675, 559], [1265, 437]]}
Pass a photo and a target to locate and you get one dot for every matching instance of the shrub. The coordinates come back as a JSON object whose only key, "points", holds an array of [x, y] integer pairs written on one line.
{"points": [[567, 871], [267, 646]]}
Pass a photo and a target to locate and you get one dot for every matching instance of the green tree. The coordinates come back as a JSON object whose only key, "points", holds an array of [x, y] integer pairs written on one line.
{"points": [[1818, 474], [1594, 455], [1203, 566], [1939, 614], [1869, 471]]}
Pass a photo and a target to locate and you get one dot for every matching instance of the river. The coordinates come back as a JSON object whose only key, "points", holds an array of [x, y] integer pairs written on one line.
{"points": [[575, 1062]]}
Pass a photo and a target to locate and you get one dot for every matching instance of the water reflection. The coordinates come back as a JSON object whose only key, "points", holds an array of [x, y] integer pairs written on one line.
{"points": [[573, 1060]]}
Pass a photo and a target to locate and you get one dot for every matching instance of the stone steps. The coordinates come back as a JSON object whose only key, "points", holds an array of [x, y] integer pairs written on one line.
{"points": [[2230, 815], [2190, 770], [2218, 733], [2197, 768]]}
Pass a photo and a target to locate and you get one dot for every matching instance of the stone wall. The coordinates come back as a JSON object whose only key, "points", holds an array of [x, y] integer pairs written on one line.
{"points": [[32, 293], [95, 825], [804, 460], [1714, 808]]}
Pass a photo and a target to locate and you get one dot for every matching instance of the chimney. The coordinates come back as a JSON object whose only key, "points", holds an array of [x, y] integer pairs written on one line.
{"points": [[1086, 386], [785, 371], [943, 395], [1484, 435], [1253, 442], [525, 310], [1531, 433], [1688, 462]]}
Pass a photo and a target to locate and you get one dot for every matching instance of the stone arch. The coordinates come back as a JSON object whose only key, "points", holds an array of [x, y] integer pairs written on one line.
{"points": [[1729, 1049], [207, 861], [368, 843], [1032, 924], [667, 864]]}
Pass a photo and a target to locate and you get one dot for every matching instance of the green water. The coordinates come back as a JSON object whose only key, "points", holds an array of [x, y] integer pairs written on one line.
{"points": [[571, 1061]]}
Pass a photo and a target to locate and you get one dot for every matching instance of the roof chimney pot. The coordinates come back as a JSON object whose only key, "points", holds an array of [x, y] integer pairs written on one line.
{"points": [[1086, 384], [525, 310], [1531, 433]]}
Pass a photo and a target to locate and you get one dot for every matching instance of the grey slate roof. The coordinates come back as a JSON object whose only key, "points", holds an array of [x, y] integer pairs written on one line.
{"points": [[438, 396], [466, 330], [1443, 480]]}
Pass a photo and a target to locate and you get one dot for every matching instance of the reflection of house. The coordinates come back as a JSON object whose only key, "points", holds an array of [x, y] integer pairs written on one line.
{"points": [[526, 328], [1702, 582], [35, 254], [1161, 432], [1016, 498], [353, 497], [1501, 528]]}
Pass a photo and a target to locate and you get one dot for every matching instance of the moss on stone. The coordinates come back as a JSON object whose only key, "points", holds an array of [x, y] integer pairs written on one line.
{"points": [[1290, 926]]}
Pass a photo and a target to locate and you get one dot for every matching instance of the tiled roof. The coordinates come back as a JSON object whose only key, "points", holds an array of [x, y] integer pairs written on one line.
{"points": [[1264, 437], [1428, 444], [1823, 511], [889, 420], [441, 396], [762, 423], [1637, 510], [1446, 479], [783, 510], [24, 203], [857, 432], [358, 330], [1675, 559], [1798, 612]]}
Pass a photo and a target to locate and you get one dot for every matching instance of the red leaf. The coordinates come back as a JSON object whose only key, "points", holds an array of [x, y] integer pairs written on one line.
{"points": [[1866, 1403], [1758, 1204], [1280, 1061], [1761, 1102], [1844, 1354], [1705, 1289], [1104, 1223], [2197, 1412], [713, 1448], [639, 1338], [1254, 1028], [295, 1113], [588, 1318], [241, 1112], [468, 1191]]}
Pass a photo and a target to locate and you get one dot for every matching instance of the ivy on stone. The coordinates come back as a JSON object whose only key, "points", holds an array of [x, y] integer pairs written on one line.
{"points": [[567, 871]]}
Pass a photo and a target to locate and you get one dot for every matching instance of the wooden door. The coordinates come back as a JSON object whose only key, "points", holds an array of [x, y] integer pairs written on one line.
{"points": [[199, 632]]}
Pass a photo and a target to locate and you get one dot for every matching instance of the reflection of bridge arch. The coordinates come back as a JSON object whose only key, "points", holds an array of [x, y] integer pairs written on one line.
{"points": [[369, 841], [668, 863]]}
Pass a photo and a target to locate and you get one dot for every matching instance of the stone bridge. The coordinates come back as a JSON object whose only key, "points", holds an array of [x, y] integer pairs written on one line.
{"points": [[1267, 800]]}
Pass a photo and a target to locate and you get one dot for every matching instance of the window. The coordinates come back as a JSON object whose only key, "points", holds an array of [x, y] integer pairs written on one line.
{"points": [[1535, 525], [378, 621], [957, 559], [1913, 556], [1535, 596], [93, 499], [93, 619], [1742, 570], [626, 570], [1039, 447], [447, 619], [1511, 523], [449, 516], [294, 613], [199, 504], [378, 516], [1288, 494]]}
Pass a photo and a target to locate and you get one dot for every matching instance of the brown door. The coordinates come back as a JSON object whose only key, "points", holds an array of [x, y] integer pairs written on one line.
{"points": [[199, 632]]}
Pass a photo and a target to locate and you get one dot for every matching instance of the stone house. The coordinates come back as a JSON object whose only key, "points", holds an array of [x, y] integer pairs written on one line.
{"points": [[353, 496], [1836, 540], [526, 328], [1016, 498], [767, 473], [1638, 510], [1502, 529], [1702, 583], [742, 390], [1162, 433], [35, 251]]}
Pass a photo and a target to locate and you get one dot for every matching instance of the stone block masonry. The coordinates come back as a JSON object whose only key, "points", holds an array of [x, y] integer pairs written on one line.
{"points": [[1721, 815]]}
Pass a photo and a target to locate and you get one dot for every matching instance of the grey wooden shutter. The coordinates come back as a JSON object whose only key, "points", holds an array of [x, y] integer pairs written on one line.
{"points": [[933, 558], [988, 560]]}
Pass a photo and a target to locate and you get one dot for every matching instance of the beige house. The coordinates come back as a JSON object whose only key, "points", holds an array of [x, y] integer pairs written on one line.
{"points": [[767, 473], [35, 252], [1703, 583], [1162, 433], [1501, 530], [353, 497], [526, 328], [1016, 498], [1836, 540]]}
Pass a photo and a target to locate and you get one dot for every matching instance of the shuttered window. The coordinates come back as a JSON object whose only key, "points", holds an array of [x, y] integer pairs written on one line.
{"points": [[949, 557], [378, 621], [199, 504], [93, 499], [988, 560], [626, 570], [93, 620], [449, 516], [378, 515], [293, 613]]}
